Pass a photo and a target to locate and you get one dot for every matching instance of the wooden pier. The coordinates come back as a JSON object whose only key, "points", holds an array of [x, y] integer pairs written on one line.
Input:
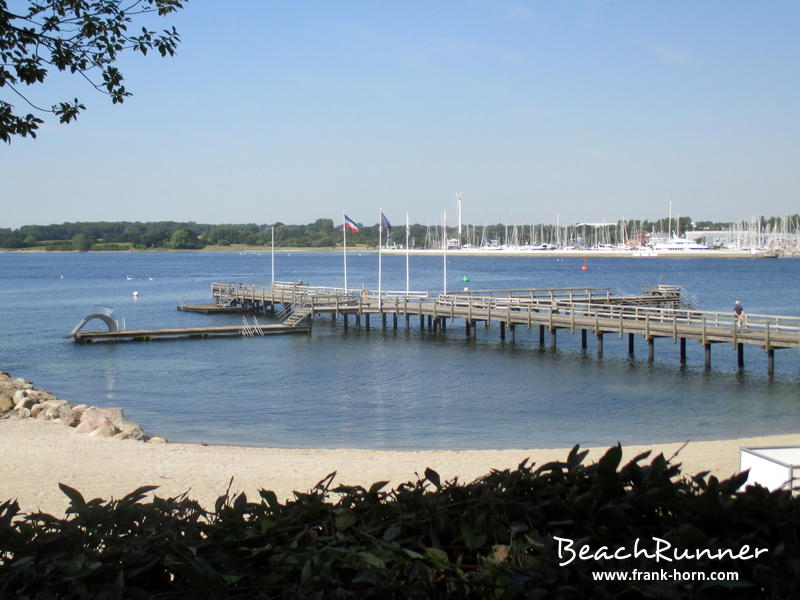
{"points": [[142, 335], [659, 312]]}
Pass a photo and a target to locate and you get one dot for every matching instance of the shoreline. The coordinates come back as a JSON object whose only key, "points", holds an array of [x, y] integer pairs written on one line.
{"points": [[262, 250], [37, 455]]}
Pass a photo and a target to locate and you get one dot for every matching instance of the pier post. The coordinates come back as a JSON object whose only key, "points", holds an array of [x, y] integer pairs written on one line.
{"points": [[383, 319], [740, 355], [394, 321], [474, 330], [513, 330], [583, 339], [444, 323], [683, 351], [345, 316], [358, 320], [630, 344], [502, 330], [422, 322], [467, 326], [708, 355], [600, 345], [430, 322], [366, 320], [553, 339], [771, 362], [651, 350], [541, 335]]}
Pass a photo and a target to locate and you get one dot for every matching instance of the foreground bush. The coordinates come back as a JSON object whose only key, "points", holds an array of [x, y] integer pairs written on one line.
{"points": [[495, 537]]}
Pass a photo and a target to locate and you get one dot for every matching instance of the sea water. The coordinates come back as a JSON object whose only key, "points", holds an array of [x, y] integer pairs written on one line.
{"points": [[393, 389]]}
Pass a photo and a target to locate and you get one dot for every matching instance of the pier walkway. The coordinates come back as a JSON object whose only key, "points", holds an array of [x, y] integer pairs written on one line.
{"points": [[658, 312]]}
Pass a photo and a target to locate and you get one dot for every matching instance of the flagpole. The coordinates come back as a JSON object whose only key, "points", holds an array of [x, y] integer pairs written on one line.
{"points": [[380, 255], [444, 250], [273, 256], [407, 272], [344, 246]]}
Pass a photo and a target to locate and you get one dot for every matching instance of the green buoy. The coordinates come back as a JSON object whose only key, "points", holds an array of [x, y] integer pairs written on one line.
{"points": [[465, 278]]}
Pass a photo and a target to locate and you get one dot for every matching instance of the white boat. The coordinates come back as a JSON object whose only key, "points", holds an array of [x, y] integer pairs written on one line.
{"points": [[677, 245]]}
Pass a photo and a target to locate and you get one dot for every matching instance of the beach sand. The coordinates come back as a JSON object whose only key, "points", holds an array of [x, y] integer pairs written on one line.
{"points": [[35, 456]]}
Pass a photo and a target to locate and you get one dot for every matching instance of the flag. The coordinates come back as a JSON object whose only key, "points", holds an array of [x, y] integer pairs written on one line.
{"points": [[385, 223], [350, 225]]}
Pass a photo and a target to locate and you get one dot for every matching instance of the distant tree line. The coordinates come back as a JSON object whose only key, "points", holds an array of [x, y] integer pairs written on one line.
{"points": [[324, 233]]}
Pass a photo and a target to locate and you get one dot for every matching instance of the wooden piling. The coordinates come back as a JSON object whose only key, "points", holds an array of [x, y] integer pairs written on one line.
{"points": [[683, 351], [707, 347], [651, 350], [583, 339], [600, 345], [771, 362], [740, 355]]}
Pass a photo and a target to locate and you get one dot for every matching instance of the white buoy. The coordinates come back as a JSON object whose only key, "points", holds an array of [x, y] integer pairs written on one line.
{"points": [[135, 294]]}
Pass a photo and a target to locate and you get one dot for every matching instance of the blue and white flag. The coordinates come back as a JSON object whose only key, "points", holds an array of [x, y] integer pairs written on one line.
{"points": [[385, 223]]}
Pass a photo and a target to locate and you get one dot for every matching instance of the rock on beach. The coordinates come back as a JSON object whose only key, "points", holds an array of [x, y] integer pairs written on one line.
{"points": [[19, 399]]}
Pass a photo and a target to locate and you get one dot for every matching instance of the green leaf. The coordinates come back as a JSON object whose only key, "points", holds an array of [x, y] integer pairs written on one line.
{"points": [[438, 556], [372, 560], [392, 533], [345, 520], [611, 458], [376, 487], [75, 498], [270, 498], [433, 477]]}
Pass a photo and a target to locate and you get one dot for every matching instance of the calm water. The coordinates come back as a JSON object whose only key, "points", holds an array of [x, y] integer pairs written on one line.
{"points": [[392, 389]]}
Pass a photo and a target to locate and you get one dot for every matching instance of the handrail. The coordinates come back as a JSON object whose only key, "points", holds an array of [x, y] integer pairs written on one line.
{"points": [[752, 321]]}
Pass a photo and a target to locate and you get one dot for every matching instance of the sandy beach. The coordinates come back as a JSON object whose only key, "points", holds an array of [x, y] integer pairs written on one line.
{"points": [[37, 455]]}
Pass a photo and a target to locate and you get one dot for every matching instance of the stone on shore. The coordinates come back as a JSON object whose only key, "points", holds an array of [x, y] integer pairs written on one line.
{"points": [[19, 399], [106, 431], [6, 403], [128, 430]]}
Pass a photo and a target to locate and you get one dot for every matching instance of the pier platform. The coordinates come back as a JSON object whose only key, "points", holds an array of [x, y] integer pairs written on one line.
{"points": [[140, 335], [212, 309]]}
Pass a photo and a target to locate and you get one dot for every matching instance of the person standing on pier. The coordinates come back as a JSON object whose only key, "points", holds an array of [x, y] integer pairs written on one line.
{"points": [[738, 312]]}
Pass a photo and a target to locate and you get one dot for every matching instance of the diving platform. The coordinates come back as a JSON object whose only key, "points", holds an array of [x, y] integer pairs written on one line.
{"points": [[142, 335]]}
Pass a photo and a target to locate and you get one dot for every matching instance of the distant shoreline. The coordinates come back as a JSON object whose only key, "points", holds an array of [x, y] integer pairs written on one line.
{"points": [[453, 253]]}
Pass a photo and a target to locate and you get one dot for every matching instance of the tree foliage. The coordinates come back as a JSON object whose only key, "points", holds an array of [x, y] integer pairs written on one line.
{"points": [[82, 37], [322, 233], [492, 538]]}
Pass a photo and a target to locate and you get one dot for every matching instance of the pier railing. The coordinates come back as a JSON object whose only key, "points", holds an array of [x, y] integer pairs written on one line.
{"points": [[653, 318]]}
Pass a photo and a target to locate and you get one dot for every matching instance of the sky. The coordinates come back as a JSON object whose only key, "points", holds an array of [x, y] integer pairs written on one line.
{"points": [[276, 111]]}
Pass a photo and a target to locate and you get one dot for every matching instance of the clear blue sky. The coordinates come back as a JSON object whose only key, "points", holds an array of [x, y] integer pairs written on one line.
{"points": [[290, 111]]}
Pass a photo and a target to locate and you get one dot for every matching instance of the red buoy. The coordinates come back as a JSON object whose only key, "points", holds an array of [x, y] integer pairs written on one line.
{"points": [[584, 267]]}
